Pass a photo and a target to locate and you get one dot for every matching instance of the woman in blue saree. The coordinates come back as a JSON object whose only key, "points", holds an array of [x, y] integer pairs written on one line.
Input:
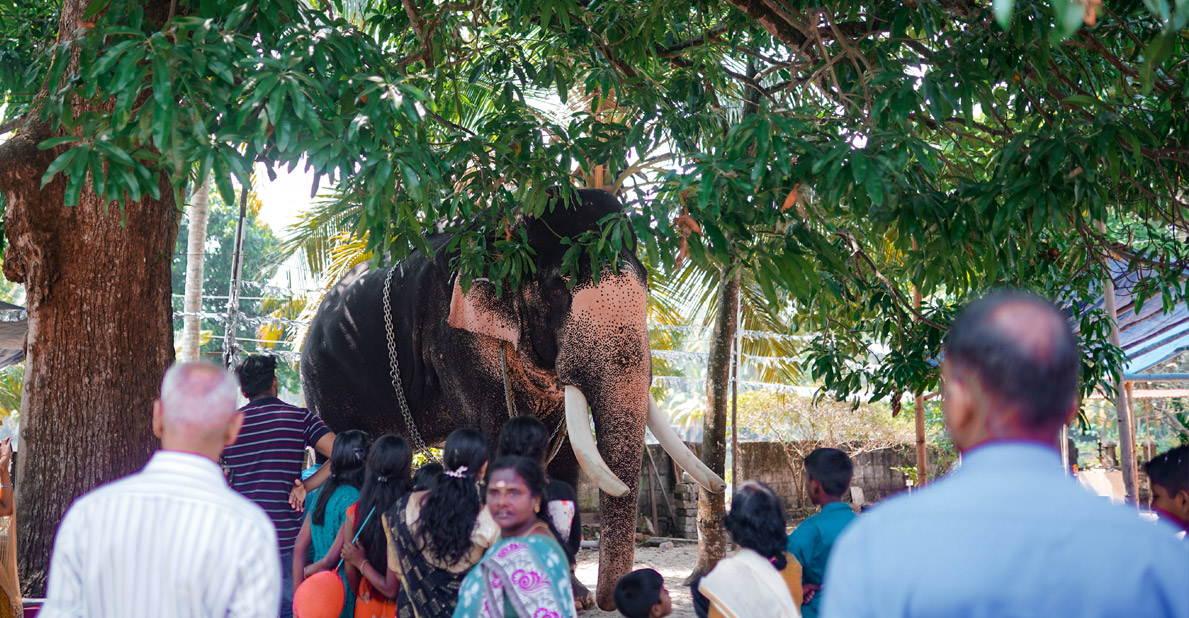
{"points": [[526, 574]]}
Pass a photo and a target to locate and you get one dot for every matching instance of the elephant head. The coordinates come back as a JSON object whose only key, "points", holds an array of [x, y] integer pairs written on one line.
{"points": [[590, 337]]}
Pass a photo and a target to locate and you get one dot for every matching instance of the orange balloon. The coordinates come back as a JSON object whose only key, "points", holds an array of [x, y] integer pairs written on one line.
{"points": [[319, 596]]}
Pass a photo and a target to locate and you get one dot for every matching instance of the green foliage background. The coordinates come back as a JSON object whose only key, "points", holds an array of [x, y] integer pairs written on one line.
{"points": [[839, 152]]}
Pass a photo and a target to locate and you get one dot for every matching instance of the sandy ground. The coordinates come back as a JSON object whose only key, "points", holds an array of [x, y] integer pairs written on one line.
{"points": [[674, 564]]}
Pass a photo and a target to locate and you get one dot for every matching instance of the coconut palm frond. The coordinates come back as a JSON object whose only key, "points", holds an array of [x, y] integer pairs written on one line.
{"points": [[320, 229], [12, 380], [288, 308]]}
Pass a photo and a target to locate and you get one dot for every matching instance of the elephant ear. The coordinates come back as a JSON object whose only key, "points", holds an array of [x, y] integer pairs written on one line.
{"points": [[480, 311]]}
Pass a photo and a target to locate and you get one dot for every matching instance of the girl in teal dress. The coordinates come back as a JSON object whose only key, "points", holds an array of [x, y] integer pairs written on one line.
{"points": [[325, 509], [526, 574]]}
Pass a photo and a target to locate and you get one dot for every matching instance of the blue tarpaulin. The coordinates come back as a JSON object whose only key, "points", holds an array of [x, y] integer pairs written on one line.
{"points": [[1149, 336]]}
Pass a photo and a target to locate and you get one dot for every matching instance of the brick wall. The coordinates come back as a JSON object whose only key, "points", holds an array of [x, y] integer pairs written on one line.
{"points": [[676, 500]]}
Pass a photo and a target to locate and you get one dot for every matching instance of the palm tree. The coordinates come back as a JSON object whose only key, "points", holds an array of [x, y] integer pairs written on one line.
{"points": [[195, 254]]}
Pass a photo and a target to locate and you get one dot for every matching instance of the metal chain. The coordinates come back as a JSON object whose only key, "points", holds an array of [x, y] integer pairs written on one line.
{"points": [[394, 370], [553, 439]]}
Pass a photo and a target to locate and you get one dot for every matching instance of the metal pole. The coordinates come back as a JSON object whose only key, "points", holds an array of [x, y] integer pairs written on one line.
{"points": [[1122, 400], [1064, 438], [230, 347]]}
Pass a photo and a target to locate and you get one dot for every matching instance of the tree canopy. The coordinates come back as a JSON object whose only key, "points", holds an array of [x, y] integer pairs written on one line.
{"points": [[841, 151]]}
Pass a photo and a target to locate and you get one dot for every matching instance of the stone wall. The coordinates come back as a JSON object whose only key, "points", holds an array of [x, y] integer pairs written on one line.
{"points": [[675, 498]]}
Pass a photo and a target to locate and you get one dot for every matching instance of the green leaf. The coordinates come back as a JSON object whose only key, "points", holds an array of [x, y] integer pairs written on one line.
{"points": [[94, 9], [1069, 14], [58, 165], [76, 178], [1003, 12], [1155, 53], [858, 167], [109, 58], [874, 188], [1085, 101], [56, 141], [162, 81]]}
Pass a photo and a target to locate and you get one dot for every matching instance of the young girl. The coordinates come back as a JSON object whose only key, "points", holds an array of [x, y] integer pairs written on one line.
{"points": [[389, 471], [327, 507], [528, 555]]}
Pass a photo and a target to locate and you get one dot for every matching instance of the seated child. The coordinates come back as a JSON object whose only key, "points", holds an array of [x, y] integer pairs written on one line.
{"points": [[828, 473], [1168, 474], [642, 594]]}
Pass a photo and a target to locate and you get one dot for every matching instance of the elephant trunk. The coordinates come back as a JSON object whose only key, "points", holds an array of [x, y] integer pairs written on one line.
{"points": [[619, 425], [604, 360], [578, 429]]}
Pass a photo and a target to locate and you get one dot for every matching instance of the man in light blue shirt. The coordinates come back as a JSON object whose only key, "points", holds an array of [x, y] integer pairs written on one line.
{"points": [[1008, 534]]}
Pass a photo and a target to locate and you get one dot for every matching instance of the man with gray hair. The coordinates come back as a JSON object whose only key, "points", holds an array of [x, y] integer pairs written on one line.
{"points": [[172, 539]]}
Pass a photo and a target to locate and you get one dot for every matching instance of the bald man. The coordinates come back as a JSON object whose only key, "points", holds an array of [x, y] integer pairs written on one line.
{"points": [[172, 539], [1008, 533]]}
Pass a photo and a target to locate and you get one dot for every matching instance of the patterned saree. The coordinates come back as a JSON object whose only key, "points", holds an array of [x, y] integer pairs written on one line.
{"points": [[521, 577], [426, 591]]}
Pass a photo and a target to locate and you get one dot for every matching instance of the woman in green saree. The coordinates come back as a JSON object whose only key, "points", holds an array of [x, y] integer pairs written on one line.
{"points": [[526, 574]]}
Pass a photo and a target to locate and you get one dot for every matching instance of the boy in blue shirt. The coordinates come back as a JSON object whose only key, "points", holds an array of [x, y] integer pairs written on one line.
{"points": [[828, 472]]}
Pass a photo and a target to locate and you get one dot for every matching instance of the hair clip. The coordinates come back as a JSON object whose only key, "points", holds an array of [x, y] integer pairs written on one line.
{"points": [[457, 472], [381, 479]]}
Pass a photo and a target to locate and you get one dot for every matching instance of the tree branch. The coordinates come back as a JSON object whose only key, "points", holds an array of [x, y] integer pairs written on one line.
{"points": [[857, 251], [706, 37]]}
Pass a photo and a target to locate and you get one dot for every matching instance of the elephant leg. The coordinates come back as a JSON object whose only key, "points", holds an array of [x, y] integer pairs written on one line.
{"points": [[617, 544]]}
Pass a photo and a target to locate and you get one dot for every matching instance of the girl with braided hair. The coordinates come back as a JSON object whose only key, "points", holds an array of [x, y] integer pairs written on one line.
{"points": [[327, 506]]}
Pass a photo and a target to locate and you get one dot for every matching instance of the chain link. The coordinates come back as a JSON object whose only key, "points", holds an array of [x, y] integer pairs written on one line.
{"points": [[394, 370]]}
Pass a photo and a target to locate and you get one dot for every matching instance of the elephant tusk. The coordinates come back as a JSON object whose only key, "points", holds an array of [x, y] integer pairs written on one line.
{"points": [[578, 428], [673, 445]]}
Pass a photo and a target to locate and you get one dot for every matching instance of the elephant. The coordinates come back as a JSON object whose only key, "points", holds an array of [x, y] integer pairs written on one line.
{"points": [[552, 348]]}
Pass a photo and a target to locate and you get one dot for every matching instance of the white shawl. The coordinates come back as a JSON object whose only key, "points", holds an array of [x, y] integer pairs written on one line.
{"points": [[746, 585]]}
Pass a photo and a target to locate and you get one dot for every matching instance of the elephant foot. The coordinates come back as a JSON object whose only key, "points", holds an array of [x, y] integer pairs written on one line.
{"points": [[583, 599]]}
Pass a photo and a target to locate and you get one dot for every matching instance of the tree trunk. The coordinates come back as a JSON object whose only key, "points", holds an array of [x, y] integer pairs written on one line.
{"points": [[195, 254], [918, 407], [712, 537], [1122, 401], [100, 330]]}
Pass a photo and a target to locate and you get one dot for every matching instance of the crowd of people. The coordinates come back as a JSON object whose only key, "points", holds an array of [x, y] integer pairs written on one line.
{"points": [[1007, 534], [491, 535]]}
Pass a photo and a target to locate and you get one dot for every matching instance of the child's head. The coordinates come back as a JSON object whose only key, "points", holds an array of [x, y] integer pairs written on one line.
{"points": [[347, 458], [523, 435], [829, 471], [425, 476], [757, 522], [642, 594], [1168, 474]]}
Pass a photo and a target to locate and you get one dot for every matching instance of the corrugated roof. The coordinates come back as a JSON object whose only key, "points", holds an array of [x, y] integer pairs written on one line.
{"points": [[1149, 336]]}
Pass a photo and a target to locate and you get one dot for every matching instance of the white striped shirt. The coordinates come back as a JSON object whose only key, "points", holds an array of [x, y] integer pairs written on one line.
{"points": [[171, 540]]}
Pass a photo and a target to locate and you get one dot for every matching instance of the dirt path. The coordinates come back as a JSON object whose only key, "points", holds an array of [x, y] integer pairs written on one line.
{"points": [[674, 564]]}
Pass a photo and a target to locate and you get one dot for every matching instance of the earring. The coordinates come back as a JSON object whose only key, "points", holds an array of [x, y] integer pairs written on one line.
{"points": [[537, 508]]}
